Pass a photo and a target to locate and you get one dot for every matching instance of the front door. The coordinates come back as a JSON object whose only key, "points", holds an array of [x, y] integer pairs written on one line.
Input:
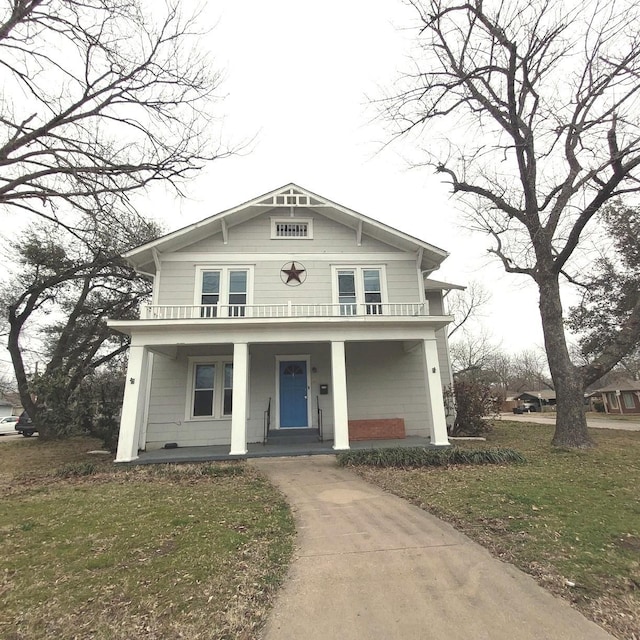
{"points": [[293, 394]]}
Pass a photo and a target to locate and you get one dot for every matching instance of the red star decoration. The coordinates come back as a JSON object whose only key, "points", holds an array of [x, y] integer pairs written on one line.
{"points": [[293, 273]]}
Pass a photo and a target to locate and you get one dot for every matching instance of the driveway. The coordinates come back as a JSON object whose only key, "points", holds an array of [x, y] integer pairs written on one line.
{"points": [[370, 565], [592, 423]]}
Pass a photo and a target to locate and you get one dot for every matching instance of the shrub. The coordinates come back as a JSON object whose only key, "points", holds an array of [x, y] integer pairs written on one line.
{"points": [[473, 401], [415, 457]]}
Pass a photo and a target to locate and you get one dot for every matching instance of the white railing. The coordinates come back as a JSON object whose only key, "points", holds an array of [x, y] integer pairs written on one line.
{"points": [[289, 310]]}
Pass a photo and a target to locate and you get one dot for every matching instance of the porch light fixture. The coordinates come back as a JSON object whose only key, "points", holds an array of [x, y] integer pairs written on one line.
{"points": [[433, 370], [132, 380]]}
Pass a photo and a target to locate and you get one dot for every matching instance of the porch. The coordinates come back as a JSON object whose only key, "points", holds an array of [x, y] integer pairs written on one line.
{"points": [[214, 453]]}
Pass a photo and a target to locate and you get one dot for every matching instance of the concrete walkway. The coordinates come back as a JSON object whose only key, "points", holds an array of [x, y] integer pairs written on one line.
{"points": [[371, 566]]}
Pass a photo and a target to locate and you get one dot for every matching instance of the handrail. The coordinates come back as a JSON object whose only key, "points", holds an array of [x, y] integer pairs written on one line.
{"points": [[288, 310], [320, 425], [266, 420]]}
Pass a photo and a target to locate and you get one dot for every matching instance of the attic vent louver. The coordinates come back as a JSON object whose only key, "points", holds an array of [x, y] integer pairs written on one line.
{"points": [[292, 229]]}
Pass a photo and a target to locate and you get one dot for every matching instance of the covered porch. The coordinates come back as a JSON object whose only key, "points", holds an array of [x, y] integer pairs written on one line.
{"points": [[215, 453], [357, 371]]}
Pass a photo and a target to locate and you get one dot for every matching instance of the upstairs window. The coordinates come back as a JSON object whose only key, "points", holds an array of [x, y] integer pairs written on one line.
{"points": [[291, 228], [359, 290], [223, 292]]}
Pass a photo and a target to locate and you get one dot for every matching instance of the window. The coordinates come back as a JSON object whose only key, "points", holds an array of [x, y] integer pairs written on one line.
{"points": [[237, 292], [613, 400], [210, 388], [291, 228], [360, 290], [372, 290], [203, 390], [227, 395], [628, 400], [210, 294], [223, 292], [347, 292]]}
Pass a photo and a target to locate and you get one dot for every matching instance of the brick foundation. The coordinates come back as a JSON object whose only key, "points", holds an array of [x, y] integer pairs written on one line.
{"points": [[377, 429]]}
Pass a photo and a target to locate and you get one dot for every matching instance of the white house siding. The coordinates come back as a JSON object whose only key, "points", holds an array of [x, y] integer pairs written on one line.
{"points": [[167, 403], [255, 236], [176, 284], [385, 381]]}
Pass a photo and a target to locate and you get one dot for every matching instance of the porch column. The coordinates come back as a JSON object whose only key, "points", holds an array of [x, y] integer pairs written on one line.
{"points": [[239, 410], [340, 410], [133, 404], [433, 385]]}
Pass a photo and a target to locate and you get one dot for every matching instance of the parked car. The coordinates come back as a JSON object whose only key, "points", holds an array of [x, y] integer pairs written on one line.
{"points": [[8, 425], [25, 425]]}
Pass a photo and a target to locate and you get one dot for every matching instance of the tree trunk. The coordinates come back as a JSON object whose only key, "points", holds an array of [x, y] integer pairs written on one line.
{"points": [[571, 422]]}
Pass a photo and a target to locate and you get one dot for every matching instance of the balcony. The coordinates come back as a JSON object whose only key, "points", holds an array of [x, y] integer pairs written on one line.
{"points": [[288, 310]]}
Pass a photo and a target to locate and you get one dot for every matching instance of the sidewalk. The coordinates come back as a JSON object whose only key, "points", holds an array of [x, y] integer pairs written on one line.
{"points": [[592, 423], [371, 566]]}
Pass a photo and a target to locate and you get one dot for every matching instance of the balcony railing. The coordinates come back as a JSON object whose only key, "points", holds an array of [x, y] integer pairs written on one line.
{"points": [[289, 310]]}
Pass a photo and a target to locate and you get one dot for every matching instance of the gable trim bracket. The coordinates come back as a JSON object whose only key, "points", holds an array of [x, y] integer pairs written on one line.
{"points": [[359, 234], [225, 231]]}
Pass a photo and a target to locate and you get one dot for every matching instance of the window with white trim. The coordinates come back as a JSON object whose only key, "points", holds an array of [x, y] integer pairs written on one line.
{"points": [[210, 388], [359, 290], [223, 291], [291, 228]]}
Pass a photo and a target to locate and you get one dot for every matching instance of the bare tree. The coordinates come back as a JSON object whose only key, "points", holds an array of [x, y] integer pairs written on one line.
{"points": [[100, 100], [472, 352], [466, 305], [538, 107]]}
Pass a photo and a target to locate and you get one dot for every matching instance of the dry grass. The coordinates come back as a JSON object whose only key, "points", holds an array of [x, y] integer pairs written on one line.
{"points": [[564, 517], [189, 551]]}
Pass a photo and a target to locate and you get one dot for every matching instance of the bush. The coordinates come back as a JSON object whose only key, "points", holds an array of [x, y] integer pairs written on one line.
{"points": [[473, 401], [415, 457]]}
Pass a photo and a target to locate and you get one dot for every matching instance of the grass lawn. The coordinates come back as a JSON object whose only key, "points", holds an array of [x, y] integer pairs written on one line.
{"points": [[571, 519], [166, 551]]}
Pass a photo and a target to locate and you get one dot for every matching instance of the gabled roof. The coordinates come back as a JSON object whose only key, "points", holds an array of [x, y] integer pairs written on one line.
{"points": [[290, 195], [439, 285], [622, 385], [545, 394]]}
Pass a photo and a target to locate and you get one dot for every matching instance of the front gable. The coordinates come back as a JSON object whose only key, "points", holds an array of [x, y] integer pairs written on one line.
{"points": [[278, 231], [250, 228]]}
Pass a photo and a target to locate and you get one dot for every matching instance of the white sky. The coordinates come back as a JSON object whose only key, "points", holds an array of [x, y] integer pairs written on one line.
{"points": [[298, 78]]}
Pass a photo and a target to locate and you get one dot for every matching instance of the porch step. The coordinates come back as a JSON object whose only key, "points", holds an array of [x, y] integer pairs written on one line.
{"points": [[292, 436]]}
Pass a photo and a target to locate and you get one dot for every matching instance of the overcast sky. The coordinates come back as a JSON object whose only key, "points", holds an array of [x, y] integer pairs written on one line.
{"points": [[299, 77]]}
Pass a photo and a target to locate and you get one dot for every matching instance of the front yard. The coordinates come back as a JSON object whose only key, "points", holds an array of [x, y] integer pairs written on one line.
{"points": [[571, 519], [190, 551]]}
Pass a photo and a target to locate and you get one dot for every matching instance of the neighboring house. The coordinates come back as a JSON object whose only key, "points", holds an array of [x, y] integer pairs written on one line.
{"points": [[537, 399], [510, 401], [286, 312], [620, 397], [10, 404]]}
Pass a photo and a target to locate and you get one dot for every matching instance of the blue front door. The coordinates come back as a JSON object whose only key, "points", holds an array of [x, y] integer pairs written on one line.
{"points": [[293, 394]]}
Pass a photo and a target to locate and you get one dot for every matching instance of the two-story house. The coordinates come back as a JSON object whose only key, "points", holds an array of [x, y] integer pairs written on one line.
{"points": [[281, 313]]}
